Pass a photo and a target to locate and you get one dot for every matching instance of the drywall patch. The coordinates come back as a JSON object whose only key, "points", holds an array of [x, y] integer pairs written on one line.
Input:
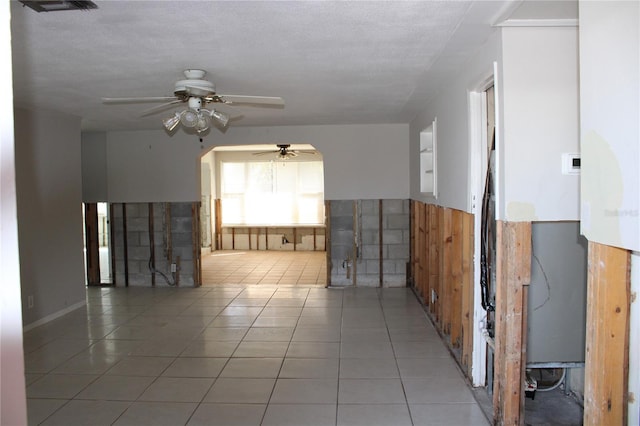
{"points": [[521, 212], [602, 190]]}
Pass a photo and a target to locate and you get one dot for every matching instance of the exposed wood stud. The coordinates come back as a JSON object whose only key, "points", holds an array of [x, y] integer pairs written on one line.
{"points": [[112, 242], [467, 291], [433, 256], [455, 278], [196, 243], [327, 238], [607, 344], [380, 242], [513, 273], [152, 246], [92, 244], [125, 243], [218, 225]]}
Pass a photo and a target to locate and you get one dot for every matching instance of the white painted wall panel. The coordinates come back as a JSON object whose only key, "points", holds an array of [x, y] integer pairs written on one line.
{"points": [[451, 108], [94, 167], [610, 122], [540, 122], [361, 161], [49, 185]]}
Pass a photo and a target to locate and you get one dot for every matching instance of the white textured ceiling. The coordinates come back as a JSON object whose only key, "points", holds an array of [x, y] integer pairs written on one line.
{"points": [[332, 62]]}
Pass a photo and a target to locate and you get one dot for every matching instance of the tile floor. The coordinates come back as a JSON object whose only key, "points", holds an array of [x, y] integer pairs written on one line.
{"points": [[305, 268], [245, 355]]}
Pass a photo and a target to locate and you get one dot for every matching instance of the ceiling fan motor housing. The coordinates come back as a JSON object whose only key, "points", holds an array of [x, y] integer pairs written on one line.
{"points": [[194, 85]]}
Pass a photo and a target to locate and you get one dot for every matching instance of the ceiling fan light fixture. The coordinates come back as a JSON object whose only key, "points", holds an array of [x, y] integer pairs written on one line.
{"points": [[172, 122], [204, 120], [189, 118], [220, 117]]}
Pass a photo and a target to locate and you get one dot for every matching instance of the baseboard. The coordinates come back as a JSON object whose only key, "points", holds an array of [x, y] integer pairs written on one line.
{"points": [[54, 315]]}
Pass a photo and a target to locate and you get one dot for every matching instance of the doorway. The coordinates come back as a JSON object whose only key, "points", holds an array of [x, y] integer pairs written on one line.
{"points": [[97, 244], [263, 218]]}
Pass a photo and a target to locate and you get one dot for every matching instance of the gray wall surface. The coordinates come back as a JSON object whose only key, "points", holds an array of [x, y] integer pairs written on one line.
{"points": [[557, 294], [49, 195]]}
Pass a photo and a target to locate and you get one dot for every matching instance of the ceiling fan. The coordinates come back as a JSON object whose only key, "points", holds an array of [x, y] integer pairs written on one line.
{"points": [[198, 93], [284, 152]]}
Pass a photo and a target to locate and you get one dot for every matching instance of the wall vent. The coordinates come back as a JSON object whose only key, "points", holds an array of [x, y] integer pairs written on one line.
{"points": [[58, 5]]}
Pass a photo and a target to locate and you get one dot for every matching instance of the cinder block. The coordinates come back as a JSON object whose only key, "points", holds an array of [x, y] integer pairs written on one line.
{"points": [[339, 237], [406, 236], [181, 224], [369, 207], [392, 206], [370, 237], [372, 267], [341, 208], [395, 280], [133, 210], [138, 253], [137, 224], [391, 236], [180, 210], [389, 267], [367, 280], [370, 252], [397, 251], [341, 223], [397, 221], [370, 222]]}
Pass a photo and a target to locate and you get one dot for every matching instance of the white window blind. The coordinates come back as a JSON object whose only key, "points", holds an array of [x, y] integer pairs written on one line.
{"points": [[272, 193]]}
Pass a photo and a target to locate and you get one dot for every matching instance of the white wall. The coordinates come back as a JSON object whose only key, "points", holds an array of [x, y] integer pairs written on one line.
{"points": [[539, 104], [13, 407], [94, 167], [49, 185], [361, 161], [451, 108], [610, 122]]}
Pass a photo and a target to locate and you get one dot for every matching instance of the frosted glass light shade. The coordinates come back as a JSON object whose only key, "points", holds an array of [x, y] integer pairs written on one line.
{"points": [[189, 118], [172, 122]]}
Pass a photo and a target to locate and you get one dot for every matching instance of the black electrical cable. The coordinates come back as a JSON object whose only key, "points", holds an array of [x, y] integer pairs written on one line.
{"points": [[484, 232]]}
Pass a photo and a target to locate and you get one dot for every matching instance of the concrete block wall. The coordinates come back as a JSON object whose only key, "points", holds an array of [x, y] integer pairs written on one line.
{"points": [[138, 243], [396, 238], [342, 241]]}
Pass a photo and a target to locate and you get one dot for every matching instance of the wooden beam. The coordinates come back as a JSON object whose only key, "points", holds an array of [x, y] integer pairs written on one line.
{"points": [[196, 243], [455, 271], [467, 291], [513, 274], [607, 344], [152, 245], [327, 239], [380, 242], [433, 256], [412, 241], [112, 242], [126, 245], [92, 243], [218, 226], [444, 302]]}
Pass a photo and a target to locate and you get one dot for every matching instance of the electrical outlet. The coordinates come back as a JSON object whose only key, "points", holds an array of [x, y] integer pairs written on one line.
{"points": [[29, 302], [173, 267]]}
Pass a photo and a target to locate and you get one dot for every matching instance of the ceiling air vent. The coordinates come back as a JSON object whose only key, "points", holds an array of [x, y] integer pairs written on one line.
{"points": [[59, 5]]}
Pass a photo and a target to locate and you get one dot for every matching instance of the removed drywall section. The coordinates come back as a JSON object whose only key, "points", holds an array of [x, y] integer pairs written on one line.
{"points": [[172, 244], [369, 242], [49, 200]]}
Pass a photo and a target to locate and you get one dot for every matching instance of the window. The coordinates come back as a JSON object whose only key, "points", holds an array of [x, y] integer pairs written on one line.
{"points": [[272, 193], [428, 163]]}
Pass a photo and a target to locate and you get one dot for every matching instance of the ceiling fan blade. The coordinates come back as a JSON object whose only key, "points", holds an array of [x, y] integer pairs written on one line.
{"points": [[253, 100], [138, 100], [266, 153], [160, 108]]}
